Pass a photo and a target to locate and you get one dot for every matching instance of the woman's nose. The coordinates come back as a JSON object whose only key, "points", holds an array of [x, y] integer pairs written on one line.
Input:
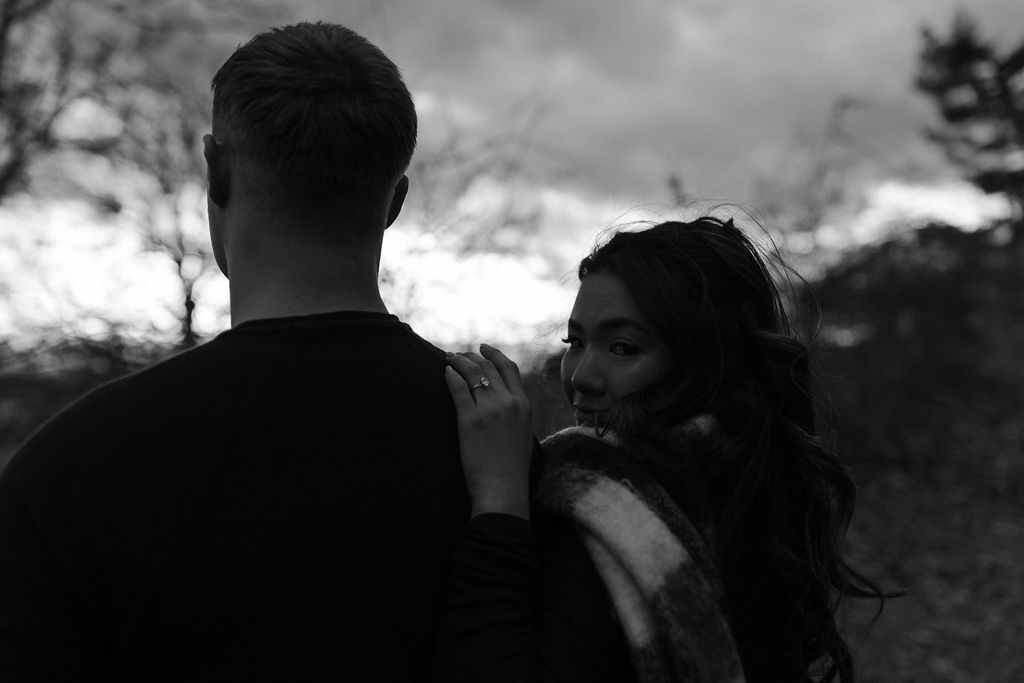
{"points": [[587, 377]]}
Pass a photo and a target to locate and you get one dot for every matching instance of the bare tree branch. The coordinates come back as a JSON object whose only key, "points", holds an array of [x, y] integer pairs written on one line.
{"points": [[145, 65]]}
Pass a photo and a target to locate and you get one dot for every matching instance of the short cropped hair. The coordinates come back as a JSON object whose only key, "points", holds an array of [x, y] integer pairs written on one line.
{"points": [[321, 110]]}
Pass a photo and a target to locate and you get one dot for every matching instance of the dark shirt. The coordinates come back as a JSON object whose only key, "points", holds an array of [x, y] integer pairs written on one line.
{"points": [[281, 502]]}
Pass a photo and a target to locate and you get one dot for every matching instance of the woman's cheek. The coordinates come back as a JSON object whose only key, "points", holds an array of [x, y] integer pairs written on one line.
{"points": [[643, 373]]}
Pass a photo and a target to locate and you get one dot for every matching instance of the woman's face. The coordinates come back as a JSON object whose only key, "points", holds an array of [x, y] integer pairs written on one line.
{"points": [[613, 349]]}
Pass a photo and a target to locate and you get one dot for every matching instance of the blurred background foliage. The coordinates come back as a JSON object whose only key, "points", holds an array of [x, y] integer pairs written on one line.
{"points": [[918, 347], [119, 92]]}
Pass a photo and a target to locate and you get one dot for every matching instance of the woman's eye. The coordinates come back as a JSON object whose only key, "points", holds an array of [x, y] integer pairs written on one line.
{"points": [[573, 342], [623, 349]]}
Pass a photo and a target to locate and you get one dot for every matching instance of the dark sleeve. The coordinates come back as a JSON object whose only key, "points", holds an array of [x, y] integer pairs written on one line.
{"points": [[46, 633], [516, 612]]}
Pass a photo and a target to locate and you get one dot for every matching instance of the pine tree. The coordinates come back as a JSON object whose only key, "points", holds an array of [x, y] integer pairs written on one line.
{"points": [[979, 91]]}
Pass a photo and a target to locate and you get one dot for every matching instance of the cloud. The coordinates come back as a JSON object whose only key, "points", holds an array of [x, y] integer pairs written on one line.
{"points": [[631, 92], [63, 268], [956, 203]]}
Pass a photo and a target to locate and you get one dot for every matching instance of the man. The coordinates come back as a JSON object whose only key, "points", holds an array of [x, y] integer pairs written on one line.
{"points": [[281, 502]]}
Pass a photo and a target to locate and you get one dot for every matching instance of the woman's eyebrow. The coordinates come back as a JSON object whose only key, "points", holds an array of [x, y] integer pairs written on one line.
{"points": [[612, 323]]}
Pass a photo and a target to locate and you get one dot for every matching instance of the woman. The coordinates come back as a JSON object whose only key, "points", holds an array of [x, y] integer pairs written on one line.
{"points": [[694, 487]]}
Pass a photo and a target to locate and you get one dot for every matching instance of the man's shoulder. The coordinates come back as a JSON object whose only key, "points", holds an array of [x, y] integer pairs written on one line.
{"points": [[176, 373], [109, 415], [208, 379], [190, 397]]}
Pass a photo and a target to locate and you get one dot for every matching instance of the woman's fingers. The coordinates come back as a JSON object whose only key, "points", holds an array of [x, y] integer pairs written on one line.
{"points": [[457, 387], [492, 372], [477, 371], [479, 382], [505, 366], [469, 370], [511, 382]]}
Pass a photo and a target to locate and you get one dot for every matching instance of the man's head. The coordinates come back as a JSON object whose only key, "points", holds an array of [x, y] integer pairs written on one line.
{"points": [[310, 120]]}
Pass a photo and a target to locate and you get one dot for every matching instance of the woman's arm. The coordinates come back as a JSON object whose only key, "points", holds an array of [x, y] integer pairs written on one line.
{"points": [[519, 606]]}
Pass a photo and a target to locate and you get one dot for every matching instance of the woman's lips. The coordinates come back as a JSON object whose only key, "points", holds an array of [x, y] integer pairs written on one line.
{"points": [[585, 415]]}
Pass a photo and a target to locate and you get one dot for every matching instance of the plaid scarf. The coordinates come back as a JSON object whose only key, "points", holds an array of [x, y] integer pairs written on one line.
{"points": [[655, 561]]}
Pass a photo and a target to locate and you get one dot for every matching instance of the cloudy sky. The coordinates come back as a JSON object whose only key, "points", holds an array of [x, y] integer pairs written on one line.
{"points": [[614, 97], [599, 102], [626, 93]]}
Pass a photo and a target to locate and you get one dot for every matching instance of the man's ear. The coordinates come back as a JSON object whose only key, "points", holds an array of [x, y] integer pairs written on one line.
{"points": [[218, 177], [401, 189]]}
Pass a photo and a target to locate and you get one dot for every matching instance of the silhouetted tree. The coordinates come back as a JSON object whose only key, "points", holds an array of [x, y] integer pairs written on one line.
{"points": [[130, 83], [165, 110], [42, 71], [58, 54], [979, 91]]}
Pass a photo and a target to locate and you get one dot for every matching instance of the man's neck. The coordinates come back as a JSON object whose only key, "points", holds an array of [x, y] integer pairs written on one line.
{"points": [[305, 286]]}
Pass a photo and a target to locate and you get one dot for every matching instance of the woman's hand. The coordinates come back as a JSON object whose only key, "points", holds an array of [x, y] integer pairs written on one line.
{"points": [[495, 439]]}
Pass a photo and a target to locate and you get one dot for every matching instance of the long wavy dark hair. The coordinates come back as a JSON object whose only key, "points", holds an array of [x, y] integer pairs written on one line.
{"points": [[779, 499]]}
